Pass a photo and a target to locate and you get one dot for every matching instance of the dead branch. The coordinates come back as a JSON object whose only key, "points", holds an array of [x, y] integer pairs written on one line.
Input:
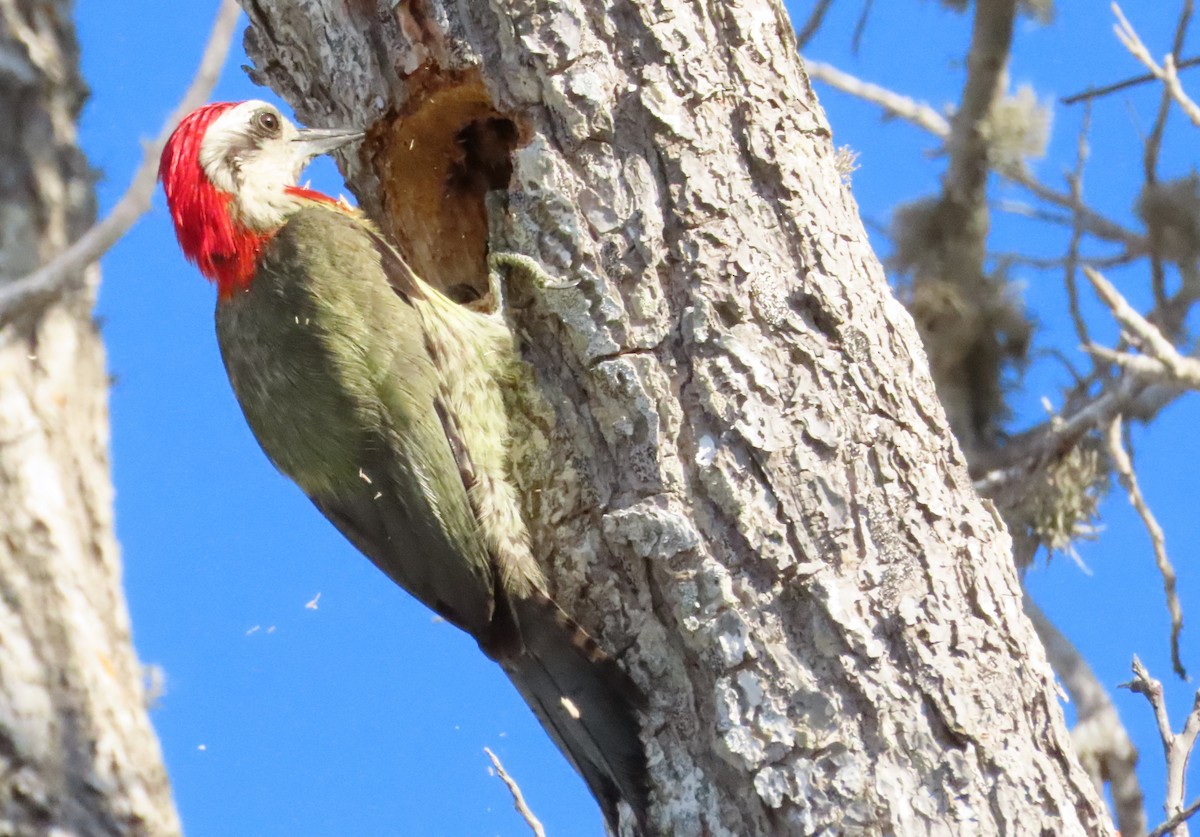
{"points": [[928, 119], [1177, 748], [1174, 822], [1070, 270], [810, 27], [1116, 87], [894, 104], [1160, 360], [1167, 72], [45, 285], [518, 798], [1123, 464]]}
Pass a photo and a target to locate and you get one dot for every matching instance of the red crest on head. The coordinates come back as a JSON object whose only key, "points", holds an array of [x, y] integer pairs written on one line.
{"points": [[224, 250]]}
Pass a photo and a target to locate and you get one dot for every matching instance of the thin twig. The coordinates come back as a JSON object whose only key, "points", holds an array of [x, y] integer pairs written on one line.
{"points": [[1091, 220], [813, 23], [518, 798], [1172, 92], [1176, 748], [1123, 465], [1160, 360], [46, 284], [860, 27], [1152, 145], [1075, 182], [1058, 263], [1168, 72], [1177, 820], [930, 120], [1097, 92]]}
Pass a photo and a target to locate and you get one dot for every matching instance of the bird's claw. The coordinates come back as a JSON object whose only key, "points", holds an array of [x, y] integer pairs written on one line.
{"points": [[530, 268]]}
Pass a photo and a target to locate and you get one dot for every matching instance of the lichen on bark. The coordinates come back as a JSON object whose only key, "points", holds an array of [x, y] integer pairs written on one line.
{"points": [[765, 513]]}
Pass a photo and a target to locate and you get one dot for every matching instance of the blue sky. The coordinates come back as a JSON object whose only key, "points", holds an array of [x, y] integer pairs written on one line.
{"points": [[364, 716]]}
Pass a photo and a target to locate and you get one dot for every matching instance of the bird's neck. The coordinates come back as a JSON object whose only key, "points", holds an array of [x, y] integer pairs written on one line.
{"points": [[227, 250]]}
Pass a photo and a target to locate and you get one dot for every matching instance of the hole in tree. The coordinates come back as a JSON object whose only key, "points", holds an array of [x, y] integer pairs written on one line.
{"points": [[441, 161]]}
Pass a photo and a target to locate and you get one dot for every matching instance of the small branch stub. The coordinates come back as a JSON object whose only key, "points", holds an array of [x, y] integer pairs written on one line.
{"points": [[519, 803]]}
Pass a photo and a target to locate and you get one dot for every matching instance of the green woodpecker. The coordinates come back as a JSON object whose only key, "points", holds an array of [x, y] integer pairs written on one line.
{"points": [[381, 399]]}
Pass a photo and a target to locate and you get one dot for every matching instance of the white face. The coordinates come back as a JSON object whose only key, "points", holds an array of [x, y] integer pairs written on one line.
{"points": [[250, 152]]}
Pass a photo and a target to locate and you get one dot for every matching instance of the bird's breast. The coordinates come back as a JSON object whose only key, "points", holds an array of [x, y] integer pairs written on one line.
{"points": [[304, 388]]}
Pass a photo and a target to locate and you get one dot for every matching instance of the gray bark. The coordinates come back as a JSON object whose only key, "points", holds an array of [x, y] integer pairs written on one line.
{"points": [[740, 478], [77, 753]]}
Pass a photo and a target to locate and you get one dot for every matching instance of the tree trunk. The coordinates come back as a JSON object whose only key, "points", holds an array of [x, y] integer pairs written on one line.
{"points": [[77, 752], [744, 483]]}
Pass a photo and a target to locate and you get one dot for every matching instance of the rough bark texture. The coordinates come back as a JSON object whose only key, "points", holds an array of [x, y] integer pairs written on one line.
{"points": [[77, 753], [740, 477]]}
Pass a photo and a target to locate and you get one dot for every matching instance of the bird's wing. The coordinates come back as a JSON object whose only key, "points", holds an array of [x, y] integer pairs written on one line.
{"points": [[407, 509], [402, 279], [382, 525]]}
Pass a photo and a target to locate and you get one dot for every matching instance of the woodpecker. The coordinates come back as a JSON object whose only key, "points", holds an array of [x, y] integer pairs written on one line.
{"points": [[381, 399]]}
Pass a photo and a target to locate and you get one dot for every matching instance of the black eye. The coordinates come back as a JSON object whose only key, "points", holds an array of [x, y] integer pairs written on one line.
{"points": [[267, 121]]}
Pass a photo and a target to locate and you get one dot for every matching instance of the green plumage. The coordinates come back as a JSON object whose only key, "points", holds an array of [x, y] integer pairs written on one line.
{"points": [[381, 399], [331, 369]]}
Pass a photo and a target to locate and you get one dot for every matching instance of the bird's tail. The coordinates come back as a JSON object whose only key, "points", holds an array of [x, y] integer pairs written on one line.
{"points": [[586, 702]]}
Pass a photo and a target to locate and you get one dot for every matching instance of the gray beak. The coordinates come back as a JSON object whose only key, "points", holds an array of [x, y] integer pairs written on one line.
{"points": [[317, 141]]}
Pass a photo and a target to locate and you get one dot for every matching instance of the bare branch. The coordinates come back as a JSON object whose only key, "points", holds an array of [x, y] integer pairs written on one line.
{"points": [[1153, 143], [1154, 379], [1089, 219], [894, 104], [518, 798], [1005, 472], [1137, 325], [1175, 821], [1098, 92], [1171, 79], [1033, 449], [1161, 361], [1075, 182], [1123, 465], [1144, 684], [46, 284], [928, 119], [1167, 73], [1150, 369], [965, 183], [1176, 748]]}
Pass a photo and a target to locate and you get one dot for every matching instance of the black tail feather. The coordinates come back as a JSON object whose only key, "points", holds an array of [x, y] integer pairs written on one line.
{"points": [[586, 703]]}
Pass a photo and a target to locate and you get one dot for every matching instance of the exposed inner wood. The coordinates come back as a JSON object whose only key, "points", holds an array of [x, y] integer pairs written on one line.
{"points": [[439, 160]]}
